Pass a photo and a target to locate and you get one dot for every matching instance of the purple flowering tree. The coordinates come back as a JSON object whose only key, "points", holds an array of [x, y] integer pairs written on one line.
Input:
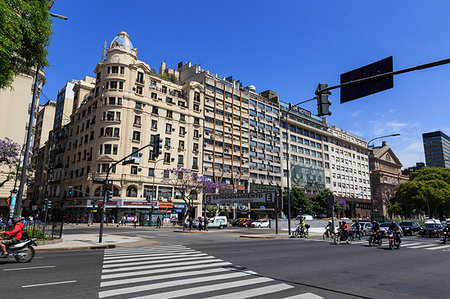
{"points": [[9, 155], [188, 184]]}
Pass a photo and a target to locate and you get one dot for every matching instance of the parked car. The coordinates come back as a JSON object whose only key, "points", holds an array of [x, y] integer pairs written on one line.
{"points": [[305, 216], [431, 230], [262, 223], [410, 227], [246, 223]]}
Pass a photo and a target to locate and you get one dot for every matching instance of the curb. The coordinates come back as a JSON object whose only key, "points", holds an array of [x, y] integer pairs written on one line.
{"points": [[95, 247], [189, 232]]}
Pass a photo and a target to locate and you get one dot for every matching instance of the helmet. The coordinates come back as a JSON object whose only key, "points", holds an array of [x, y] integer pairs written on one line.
{"points": [[329, 221], [393, 222], [15, 219], [343, 222]]}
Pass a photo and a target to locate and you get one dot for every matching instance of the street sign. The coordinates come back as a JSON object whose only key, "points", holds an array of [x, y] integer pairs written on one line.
{"points": [[357, 91], [266, 197]]}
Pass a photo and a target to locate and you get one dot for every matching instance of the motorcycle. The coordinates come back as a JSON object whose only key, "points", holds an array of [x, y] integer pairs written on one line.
{"points": [[446, 237], [301, 233], [341, 237], [374, 239], [329, 233], [23, 251], [394, 240]]}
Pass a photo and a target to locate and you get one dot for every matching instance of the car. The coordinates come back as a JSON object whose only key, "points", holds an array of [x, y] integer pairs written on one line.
{"points": [[410, 227], [431, 229], [218, 222], [246, 223], [305, 217], [384, 227], [261, 223], [364, 226]]}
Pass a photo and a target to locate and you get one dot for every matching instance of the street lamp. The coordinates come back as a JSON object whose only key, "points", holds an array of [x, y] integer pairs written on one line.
{"points": [[372, 214], [18, 207]]}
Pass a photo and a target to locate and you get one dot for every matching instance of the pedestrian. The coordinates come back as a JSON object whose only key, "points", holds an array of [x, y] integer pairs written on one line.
{"points": [[205, 223], [135, 222], [158, 222], [190, 223], [113, 219], [200, 223]]}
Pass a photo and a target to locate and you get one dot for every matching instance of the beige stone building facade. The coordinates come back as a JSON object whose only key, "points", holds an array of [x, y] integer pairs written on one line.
{"points": [[14, 117], [386, 174]]}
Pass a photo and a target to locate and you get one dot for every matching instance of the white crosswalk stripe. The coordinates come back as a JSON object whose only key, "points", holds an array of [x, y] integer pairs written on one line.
{"points": [[178, 271]]}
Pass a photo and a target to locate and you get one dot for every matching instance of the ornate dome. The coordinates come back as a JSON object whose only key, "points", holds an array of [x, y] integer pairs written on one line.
{"points": [[122, 39]]}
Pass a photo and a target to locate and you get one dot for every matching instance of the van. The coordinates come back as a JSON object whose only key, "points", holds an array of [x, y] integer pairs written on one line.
{"points": [[432, 221], [218, 222]]}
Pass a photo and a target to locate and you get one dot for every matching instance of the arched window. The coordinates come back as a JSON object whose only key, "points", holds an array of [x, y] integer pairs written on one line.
{"points": [[116, 191], [98, 191], [131, 191]]}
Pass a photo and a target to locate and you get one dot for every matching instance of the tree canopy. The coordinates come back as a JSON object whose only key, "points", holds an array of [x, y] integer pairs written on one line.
{"points": [[25, 33], [300, 204], [320, 203], [411, 197]]}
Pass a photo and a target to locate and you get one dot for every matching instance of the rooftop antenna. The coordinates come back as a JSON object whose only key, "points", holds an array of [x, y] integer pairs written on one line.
{"points": [[104, 51]]}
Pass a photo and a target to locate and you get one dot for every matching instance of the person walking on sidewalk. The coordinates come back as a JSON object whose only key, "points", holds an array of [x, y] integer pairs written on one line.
{"points": [[205, 223], [158, 222]]}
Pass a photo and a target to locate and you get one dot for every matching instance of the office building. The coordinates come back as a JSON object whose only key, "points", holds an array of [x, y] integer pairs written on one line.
{"points": [[437, 149]]}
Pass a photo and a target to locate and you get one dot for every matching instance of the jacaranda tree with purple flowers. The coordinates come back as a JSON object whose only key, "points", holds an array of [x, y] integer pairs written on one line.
{"points": [[9, 155], [188, 184]]}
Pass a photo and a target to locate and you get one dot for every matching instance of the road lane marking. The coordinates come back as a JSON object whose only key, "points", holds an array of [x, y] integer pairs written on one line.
{"points": [[162, 276], [48, 283], [168, 284], [115, 257], [304, 296], [138, 263], [422, 246], [438, 247], [29, 268], [166, 265], [163, 270], [255, 292], [410, 244], [208, 288]]}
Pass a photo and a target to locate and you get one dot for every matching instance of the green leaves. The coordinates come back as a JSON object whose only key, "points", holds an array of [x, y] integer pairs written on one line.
{"points": [[300, 204], [25, 33]]}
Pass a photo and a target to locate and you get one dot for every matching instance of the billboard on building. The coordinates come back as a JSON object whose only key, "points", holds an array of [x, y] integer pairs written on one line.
{"points": [[307, 177]]}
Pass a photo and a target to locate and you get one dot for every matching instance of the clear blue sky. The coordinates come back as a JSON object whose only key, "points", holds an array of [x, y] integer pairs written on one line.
{"points": [[286, 46]]}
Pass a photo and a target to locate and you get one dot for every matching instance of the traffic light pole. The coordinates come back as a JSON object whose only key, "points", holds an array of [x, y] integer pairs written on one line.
{"points": [[106, 184]]}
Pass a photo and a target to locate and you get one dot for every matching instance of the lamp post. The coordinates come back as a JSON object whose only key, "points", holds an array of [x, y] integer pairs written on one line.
{"points": [[372, 211]]}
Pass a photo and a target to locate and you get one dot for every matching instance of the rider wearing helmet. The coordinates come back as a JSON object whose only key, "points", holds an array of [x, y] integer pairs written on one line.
{"points": [[396, 230], [14, 236], [343, 229]]}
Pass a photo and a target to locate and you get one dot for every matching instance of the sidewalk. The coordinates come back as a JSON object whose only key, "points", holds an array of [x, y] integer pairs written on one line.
{"points": [[90, 241]]}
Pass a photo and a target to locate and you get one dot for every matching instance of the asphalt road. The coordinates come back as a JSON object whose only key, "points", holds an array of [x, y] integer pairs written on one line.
{"points": [[295, 266]]}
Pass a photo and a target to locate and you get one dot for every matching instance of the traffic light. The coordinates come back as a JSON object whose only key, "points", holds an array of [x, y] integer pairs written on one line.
{"points": [[109, 195], [70, 190], [157, 146], [323, 103], [100, 205]]}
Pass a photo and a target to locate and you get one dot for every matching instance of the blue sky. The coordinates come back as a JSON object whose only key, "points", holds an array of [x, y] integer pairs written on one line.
{"points": [[286, 46]]}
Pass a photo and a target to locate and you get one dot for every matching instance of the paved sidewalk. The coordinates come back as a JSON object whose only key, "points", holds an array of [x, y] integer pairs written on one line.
{"points": [[90, 241]]}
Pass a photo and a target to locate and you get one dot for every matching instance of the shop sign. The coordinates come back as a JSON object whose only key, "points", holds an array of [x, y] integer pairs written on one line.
{"points": [[165, 205], [178, 206], [140, 203]]}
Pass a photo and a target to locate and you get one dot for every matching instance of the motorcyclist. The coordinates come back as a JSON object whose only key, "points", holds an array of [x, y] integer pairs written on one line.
{"points": [[14, 236], [357, 229], [396, 230], [329, 227], [302, 225], [343, 229]]}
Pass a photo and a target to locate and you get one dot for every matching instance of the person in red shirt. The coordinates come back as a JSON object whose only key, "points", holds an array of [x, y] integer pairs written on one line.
{"points": [[14, 236]]}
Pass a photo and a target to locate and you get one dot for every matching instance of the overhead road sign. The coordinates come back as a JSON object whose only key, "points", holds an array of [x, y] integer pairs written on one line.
{"points": [[266, 197]]}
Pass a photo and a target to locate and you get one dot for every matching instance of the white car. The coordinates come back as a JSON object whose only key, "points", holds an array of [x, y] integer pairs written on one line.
{"points": [[264, 223]]}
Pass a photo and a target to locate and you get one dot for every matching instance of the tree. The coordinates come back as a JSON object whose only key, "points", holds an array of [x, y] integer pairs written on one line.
{"points": [[9, 155], [25, 33], [189, 185], [300, 203], [320, 203], [410, 198]]}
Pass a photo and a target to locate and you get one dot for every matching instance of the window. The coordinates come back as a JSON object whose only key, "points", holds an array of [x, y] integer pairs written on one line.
{"points": [[107, 149], [182, 117], [168, 128], [180, 159], [197, 107], [182, 131], [122, 71], [137, 120], [195, 149], [134, 169], [154, 125], [151, 172], [195, 163], [166, 157], [196, 135], [169, 114], [131, 191], [138, 105], [155, 110], [114, 149], [116, 132], [140, 77], [136, 136], [139, 89], [167, 142], [181, 145]]}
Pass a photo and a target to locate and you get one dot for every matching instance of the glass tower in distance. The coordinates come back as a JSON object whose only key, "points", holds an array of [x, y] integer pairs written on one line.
{"points": [[437, 149]]}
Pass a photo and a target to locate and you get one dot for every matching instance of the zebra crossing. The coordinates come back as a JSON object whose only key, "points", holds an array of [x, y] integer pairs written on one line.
{"points": [[178, 271], [406, 243]]}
